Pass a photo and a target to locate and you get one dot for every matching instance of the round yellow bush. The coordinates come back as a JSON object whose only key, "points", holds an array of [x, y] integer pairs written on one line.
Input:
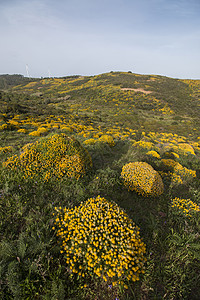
{"points": [[142, 178], [52, 157], [105, 138], [98, 239]]}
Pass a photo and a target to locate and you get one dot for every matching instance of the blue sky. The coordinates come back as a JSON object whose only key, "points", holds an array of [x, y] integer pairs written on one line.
{"points": [[87, 37]]}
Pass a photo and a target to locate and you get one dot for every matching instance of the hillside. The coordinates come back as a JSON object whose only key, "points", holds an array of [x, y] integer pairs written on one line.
{"points": [[99, 187], [131, 100]]}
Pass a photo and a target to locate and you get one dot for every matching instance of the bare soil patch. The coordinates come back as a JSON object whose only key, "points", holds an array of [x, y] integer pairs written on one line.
{"points": [[137, 90]]}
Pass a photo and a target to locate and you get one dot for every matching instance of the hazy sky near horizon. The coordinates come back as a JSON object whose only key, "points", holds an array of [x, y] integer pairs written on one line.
{"points": [[87, 37]]}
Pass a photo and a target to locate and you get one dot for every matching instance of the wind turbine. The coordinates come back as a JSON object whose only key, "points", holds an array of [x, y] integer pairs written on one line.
{"points": [[49, 74], [27, 72]]}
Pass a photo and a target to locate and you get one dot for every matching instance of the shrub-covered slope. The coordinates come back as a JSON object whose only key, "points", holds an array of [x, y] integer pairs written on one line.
{"points": [[100, 188]]}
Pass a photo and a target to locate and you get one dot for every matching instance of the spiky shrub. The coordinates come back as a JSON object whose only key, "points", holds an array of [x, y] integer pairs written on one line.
{"points": [[98, 239], [177, 173], [181, 149], [185, 207], [142, 178], [153, 154], [105, 138], [6, 149], [22, 130], [52, 157], [90, 142]]}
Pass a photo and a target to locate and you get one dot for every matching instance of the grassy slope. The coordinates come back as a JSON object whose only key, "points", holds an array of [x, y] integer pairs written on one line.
{"points": [[91, 106], [171, 103]]}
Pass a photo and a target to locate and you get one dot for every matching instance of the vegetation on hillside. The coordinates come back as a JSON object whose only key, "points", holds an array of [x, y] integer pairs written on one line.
{"points": [[99, 187]]}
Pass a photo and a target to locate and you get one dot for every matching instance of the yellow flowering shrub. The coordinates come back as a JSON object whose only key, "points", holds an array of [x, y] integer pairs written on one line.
{"points": [[105, 138], [14, 123], [185, 206], [89, 142], [98, 239], [171, 154], [4, 126], [40, 131], [168, 164], [180, 148], [52, 157], [171, 177], [185, 149], [145, 145], [142, 178], [22, 130], [174, 167], [66, 128], [6, 149], [154, 154], [35, 133]]}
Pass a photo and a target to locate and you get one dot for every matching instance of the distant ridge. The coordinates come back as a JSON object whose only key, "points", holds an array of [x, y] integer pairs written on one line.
{"points": [[7, 81]]}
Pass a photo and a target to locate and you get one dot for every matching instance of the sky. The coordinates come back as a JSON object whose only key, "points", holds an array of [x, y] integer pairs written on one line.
{"points": [[41, 38]]}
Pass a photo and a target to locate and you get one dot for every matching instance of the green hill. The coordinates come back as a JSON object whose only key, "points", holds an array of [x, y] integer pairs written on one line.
{"points": [[147, 101], [99, 187]]}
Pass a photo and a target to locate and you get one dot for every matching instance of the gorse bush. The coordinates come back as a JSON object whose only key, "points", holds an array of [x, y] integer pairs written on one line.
{"points": [[175, 171], [142, 178], [181, 149], [153, 154], [52, 157], [105, 138], [185, 206], [90, 142], [99, 239], [40, 131], [6, 149]]}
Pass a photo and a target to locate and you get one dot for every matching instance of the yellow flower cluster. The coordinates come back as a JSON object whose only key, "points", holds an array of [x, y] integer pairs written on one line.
{"points": [[6, 149], [52, 157], [22, 130], [107, 139], [144, 145], [186, 206], [142, 178], [176, 171], [180, 148], [185, 148], [171, 155], [90, 142], [34, 133], [99, 239], [40, 131], [14, 123], [66, 128], [4, 126], [154, 154]]}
